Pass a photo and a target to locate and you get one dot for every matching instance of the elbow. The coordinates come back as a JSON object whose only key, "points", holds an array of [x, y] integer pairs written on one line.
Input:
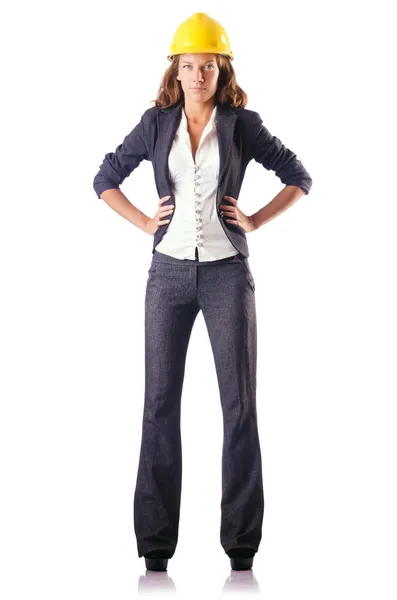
{"points": [[100, 184], [300, 177], [305, 184]]}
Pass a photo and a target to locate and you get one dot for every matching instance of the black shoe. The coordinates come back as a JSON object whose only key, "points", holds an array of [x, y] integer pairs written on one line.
{"points": [[157, 560], [241, 559]]}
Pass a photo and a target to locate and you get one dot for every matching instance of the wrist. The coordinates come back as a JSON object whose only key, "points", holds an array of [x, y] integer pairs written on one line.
{"points": [[253, 222]]}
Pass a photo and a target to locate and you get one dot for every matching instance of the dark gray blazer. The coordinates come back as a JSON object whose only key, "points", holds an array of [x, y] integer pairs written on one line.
{"points": [[241, 138]]}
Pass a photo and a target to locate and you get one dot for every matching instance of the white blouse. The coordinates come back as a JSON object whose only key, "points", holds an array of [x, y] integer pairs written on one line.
{"points": [[195, 221]]}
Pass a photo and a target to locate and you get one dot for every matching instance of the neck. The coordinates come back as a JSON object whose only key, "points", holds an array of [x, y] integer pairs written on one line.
{"points": [[199, 112]]}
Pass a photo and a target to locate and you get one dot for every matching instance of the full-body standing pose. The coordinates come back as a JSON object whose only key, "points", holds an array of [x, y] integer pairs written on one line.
{"points": [[199, 138]]}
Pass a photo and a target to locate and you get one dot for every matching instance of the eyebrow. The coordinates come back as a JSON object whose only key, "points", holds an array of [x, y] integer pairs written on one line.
{"points": [[189, 63]]}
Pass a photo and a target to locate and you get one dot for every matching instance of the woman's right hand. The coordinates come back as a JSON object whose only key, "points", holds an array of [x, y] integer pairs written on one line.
{"points": [[153, 224]]}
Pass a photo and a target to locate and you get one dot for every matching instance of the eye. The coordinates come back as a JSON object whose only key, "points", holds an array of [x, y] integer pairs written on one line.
{"points": [[191, 65]]}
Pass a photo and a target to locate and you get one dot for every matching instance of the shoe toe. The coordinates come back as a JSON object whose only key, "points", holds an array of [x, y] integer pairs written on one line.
{"points": [[241, 559], [242, 564], [156, 564], [157, 560]]}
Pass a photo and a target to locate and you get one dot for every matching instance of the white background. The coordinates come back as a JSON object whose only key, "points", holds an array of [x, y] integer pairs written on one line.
{"points": [[77, 77]]}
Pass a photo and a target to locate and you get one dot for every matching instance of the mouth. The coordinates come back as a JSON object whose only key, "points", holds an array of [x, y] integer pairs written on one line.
{"points": [[198, 89]]}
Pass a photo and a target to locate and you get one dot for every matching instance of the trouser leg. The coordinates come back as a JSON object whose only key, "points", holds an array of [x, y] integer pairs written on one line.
{"points": [[170, 312], [226, 296]]}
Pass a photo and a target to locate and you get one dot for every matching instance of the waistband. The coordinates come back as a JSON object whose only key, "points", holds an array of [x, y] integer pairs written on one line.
{"points": [[159, 257]]}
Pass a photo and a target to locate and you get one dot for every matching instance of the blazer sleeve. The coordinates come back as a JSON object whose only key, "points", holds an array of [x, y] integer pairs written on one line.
{"points": [[270, 152], [118, 165]]}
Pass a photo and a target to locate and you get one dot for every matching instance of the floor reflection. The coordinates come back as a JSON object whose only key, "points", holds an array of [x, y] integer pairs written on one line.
{"points": [[160, 581]]}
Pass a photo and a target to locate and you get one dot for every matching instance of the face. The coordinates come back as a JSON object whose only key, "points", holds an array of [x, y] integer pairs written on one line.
{"points": [[198, 70]]}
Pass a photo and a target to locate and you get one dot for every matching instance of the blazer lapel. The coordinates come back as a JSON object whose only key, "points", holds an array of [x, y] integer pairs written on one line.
{"points": [[168, 120]]}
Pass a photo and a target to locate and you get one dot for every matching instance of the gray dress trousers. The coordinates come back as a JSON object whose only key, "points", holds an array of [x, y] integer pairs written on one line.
{"points": [[176, 291]]}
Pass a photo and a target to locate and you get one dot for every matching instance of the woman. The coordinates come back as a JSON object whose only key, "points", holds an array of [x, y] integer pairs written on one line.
{"points": [[200, 139]]}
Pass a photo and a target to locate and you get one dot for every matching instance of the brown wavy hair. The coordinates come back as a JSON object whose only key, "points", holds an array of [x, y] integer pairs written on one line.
{"points": [[228, 92]]}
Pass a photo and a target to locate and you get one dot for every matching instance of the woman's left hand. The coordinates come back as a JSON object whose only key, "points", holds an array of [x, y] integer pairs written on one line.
{"points": [[236, 215]]}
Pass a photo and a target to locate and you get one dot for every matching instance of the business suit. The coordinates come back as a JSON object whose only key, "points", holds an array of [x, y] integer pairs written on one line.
{"points": [[241, 137], [224, 290]]}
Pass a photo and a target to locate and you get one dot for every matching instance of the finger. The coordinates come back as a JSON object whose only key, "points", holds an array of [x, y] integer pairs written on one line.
{"points": [[164, 199]]}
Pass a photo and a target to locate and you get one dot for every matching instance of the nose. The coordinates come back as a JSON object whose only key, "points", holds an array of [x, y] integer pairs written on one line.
{"points": [[199, 77]]}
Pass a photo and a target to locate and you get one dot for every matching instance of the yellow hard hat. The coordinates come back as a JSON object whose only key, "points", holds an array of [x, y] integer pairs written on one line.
{"points": [[200, 33]]}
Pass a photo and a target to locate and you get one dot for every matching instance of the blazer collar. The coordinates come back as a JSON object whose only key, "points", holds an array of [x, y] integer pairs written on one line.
{"points": [[221, 111]]}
